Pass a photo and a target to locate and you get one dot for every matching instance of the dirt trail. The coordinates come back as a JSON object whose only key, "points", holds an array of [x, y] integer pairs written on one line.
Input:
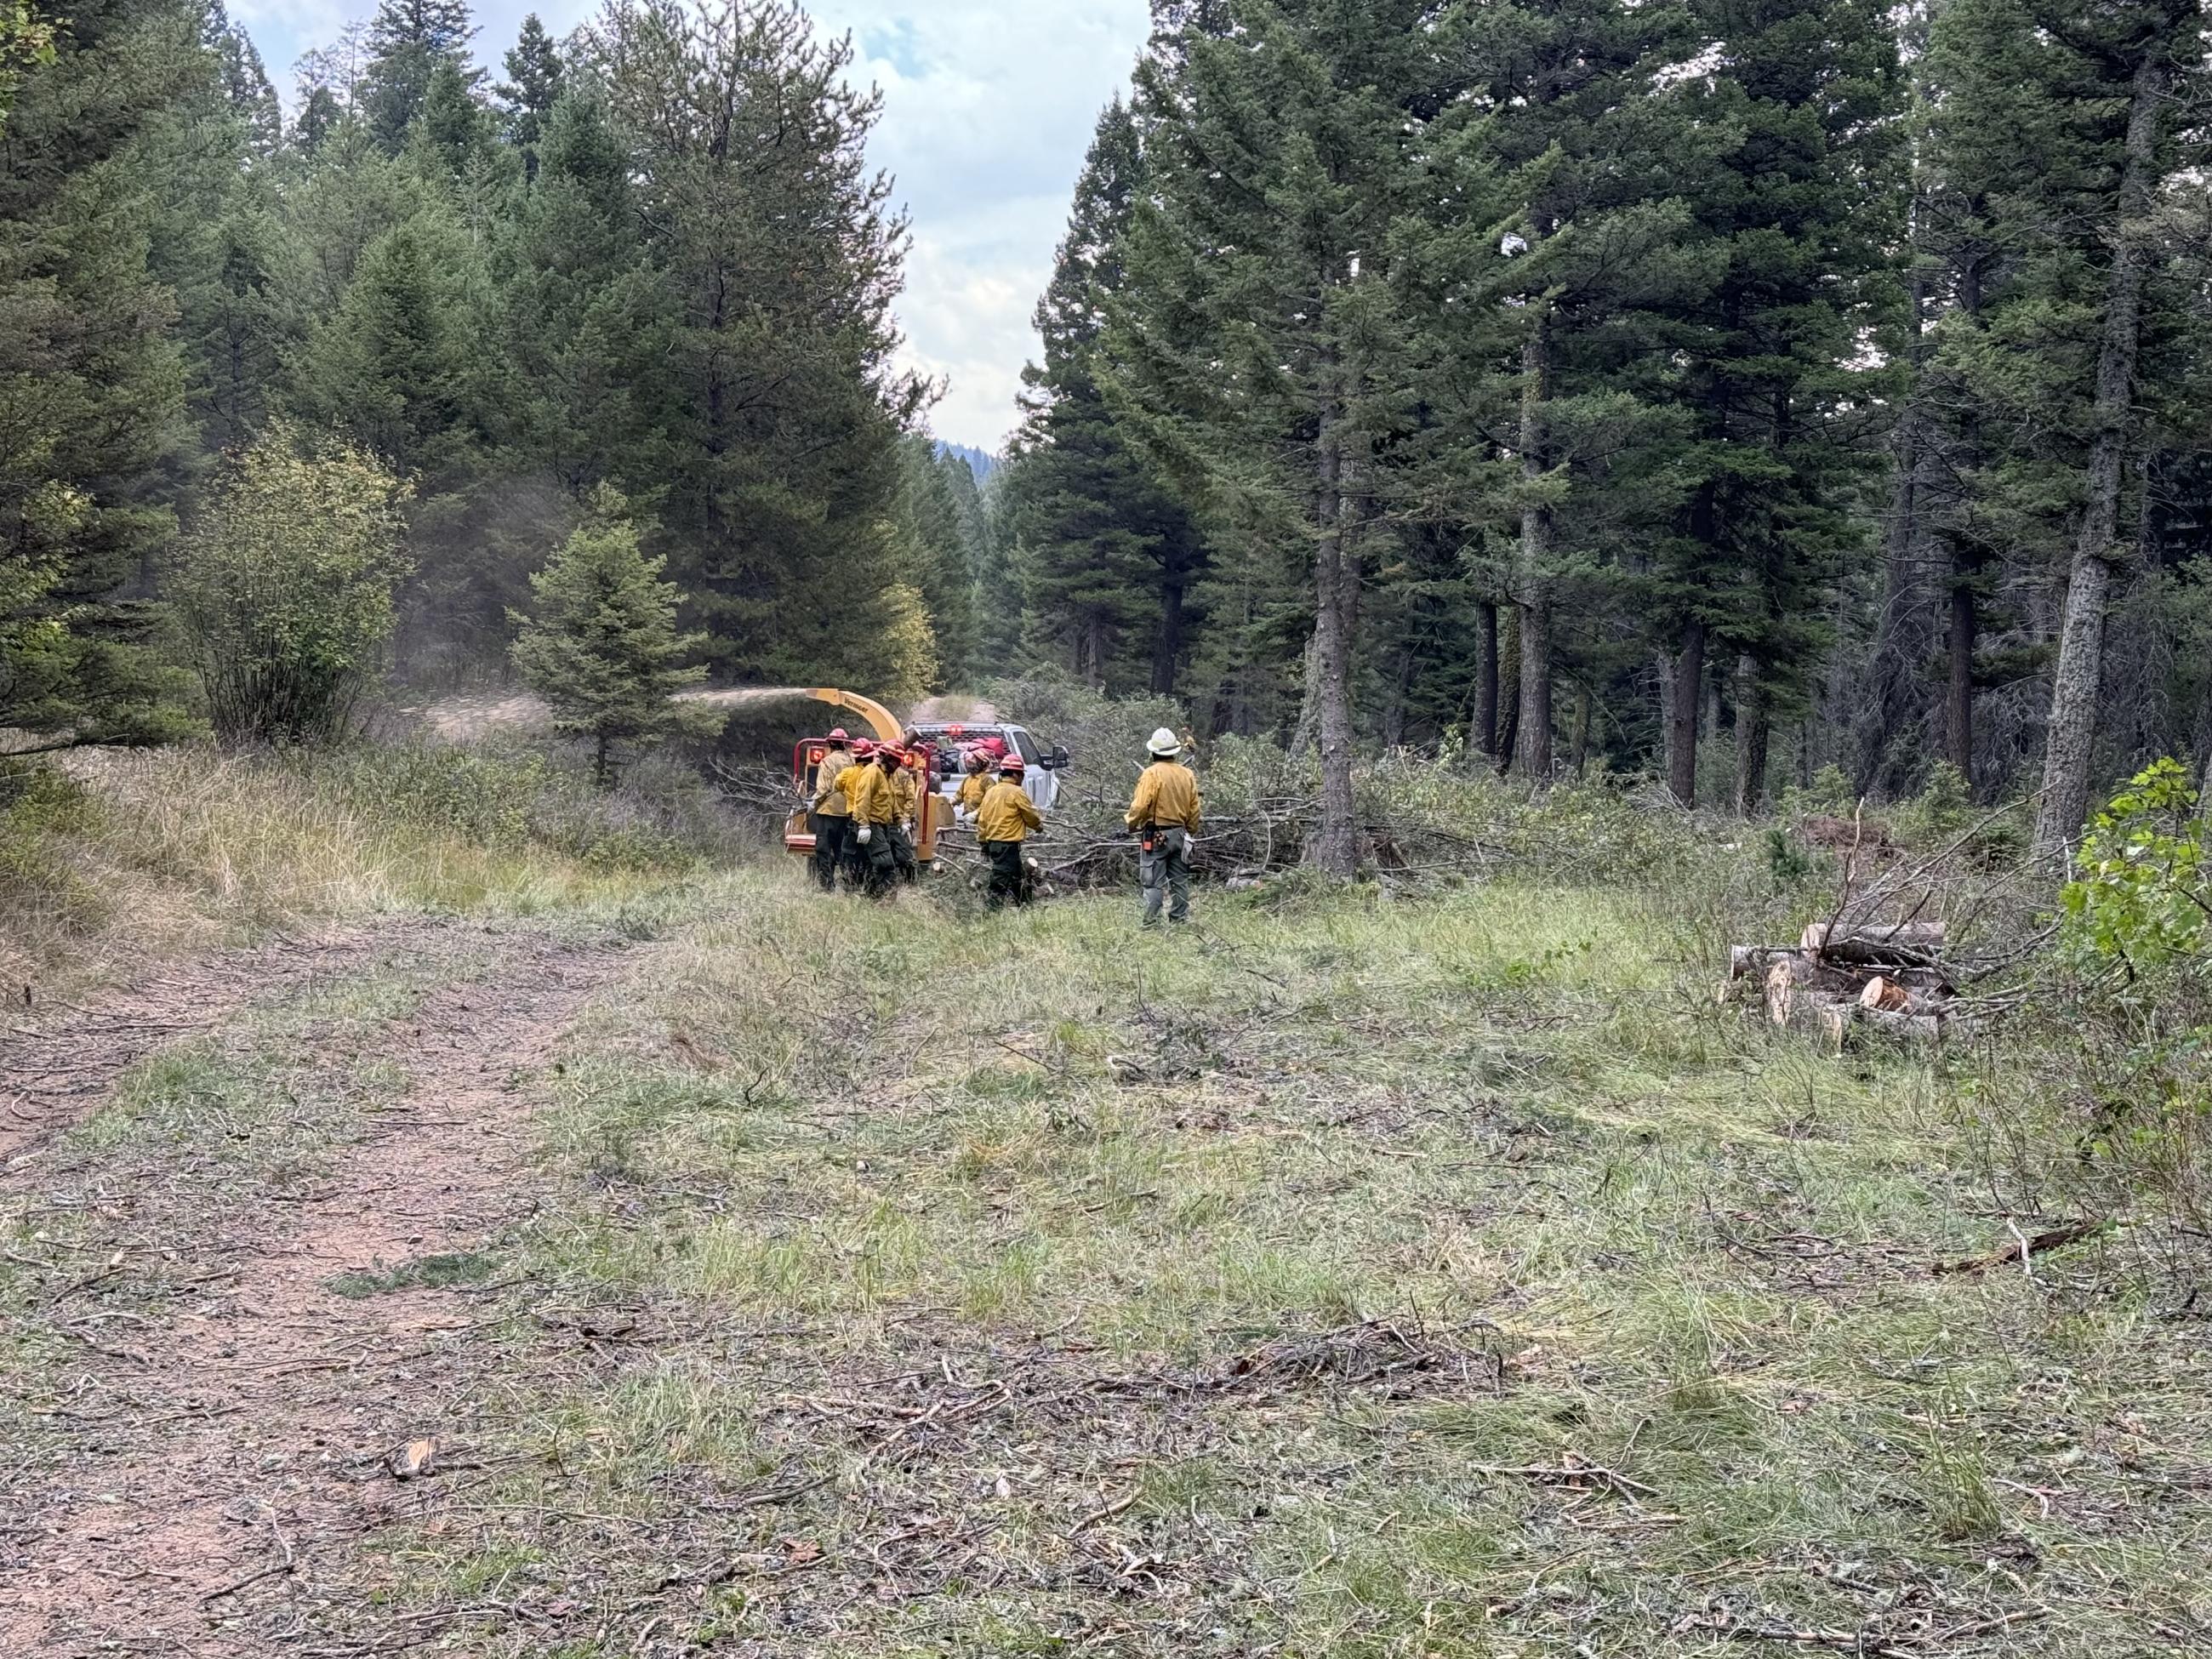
{"points": [[57, 1066], [225, 1459]]}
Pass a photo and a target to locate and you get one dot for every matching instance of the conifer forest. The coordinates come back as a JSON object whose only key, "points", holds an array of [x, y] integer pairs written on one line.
{"points": [[1720, 391], [1467, 913]]}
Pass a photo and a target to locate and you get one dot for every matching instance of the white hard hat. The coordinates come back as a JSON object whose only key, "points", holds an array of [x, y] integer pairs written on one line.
{"points": [[1165, 742]]}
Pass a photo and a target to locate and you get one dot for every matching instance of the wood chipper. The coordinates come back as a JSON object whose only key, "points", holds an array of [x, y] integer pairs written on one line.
{"points": [[806, 758]]}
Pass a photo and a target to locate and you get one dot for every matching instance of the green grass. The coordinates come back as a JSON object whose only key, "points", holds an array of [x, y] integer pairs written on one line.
{"points": [[917, 1283], [895, 1157]]}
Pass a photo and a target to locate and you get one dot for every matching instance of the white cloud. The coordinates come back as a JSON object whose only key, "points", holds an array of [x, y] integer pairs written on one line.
{"points": [[988, 107]]}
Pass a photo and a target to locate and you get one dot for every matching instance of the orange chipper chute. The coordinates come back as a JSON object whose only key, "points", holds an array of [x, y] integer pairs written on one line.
{"points": [[799, 837]]}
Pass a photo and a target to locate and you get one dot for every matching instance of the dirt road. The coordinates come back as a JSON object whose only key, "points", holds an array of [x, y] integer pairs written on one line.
{"points": [[263, 1358]]}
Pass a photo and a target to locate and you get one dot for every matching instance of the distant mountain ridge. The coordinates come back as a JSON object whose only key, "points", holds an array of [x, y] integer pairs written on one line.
{"points": [[979, 462]]}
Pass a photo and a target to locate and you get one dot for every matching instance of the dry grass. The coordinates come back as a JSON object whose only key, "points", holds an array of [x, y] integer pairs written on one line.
{"points": [[171, 852], [1369, 1279], [1348, 1275]]}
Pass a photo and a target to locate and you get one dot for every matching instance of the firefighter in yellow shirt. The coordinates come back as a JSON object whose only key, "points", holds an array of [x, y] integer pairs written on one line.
{"points": [[1164, 813], [1003, 822], [833, 816], [906, 799], [975, 786], [867, 790]]}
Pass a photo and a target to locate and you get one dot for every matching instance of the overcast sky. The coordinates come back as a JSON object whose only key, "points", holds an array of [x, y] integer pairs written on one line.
{"points": [[988, 107]]}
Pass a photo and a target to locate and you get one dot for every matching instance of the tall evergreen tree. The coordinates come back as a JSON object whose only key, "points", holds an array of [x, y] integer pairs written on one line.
{"points": [[90, 376], [1262, 342], [1801, 213], [778, 409], [1110, 556], [527, 97], [407, 41], [1598, 240], [586, 317]]}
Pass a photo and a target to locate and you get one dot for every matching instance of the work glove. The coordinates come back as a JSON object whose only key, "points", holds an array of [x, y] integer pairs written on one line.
{"points": [[867, 834]]}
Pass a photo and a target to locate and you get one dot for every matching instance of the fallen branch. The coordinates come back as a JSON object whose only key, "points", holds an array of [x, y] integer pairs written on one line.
{"points": [[2021, 1249], [1569, 1471]]}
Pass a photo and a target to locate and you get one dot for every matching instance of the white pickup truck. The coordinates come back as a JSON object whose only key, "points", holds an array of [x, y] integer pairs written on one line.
{"points": [[1040, 780]]}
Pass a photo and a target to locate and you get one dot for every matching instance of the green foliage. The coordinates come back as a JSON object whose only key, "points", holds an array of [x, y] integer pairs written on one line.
{"points": [[1787, 862], [91, 380], [26, 41], [1943, 807], [2141, 894], [39, 805], [285, 588], [603, 647]]}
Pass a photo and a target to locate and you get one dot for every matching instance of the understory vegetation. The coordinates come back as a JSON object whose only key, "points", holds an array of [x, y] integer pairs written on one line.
{"points": [[1424, 1267], [130, 858]]}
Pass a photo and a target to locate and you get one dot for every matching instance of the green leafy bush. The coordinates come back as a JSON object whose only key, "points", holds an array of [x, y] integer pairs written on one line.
{"points": [[2136, 928], [285, 591], [2142, 895]]}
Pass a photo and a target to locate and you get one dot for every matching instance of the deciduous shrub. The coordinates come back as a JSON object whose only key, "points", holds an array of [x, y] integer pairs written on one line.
{"points": [[285, 589]]}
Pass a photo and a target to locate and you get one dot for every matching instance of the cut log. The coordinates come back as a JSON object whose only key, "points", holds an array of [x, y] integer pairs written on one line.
{"points": [[1903, 944], [1789, 982], [1884, 996], [1935, 1026], [1744, 960]]}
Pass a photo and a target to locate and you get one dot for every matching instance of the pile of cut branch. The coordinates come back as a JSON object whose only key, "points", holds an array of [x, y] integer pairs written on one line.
{"points": [[1888, 977]]}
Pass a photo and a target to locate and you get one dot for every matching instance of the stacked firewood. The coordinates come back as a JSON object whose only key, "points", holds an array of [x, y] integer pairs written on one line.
{"points": [[1887, 977]]}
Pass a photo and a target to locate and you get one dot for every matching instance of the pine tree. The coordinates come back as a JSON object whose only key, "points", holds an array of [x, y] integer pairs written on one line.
{"points": [[90, 377], [406, 41], [1261, 345], [2055, 380], [776, 407], [585, 318], [453, 132], [1109, 557], [533, 87], [601, 645], [940, 558], [245, 84], [1800, 214], [319, 113], [399, 364], [1591, 156]]}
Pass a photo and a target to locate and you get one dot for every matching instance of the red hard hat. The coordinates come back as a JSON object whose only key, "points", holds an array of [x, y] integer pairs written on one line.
{"points": [[838, 736], [863, 749], [1012, 763]]}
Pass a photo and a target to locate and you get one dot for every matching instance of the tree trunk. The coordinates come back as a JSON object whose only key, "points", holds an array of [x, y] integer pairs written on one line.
{"points": [[2079, 678], [1898, 630], [1532, 577], [1167, 645], [1958, 698], [1486, 677], [1508, 681], [1336, 581], [603, 771], [1751, 738], [1583, 699], [1401, 685], [1689, 680]]}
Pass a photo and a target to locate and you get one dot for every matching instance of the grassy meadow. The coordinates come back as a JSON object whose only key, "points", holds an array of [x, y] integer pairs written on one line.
{"points": [[1352, 1273]]}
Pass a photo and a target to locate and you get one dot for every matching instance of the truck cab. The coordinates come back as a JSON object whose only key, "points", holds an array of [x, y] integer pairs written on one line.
{"points": [[948, 739]]}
